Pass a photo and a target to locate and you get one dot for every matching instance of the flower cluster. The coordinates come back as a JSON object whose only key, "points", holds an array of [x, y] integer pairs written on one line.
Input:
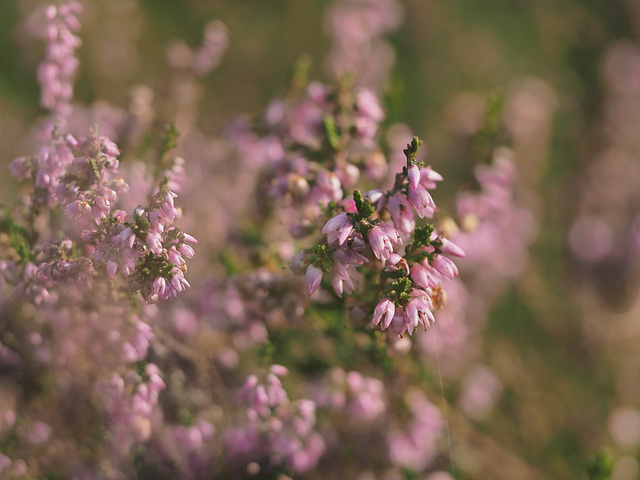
{"points": [[207, 56], [129, 402], [57, 72], [277, 430], [413, 269], [357, 28], [414, 447], [315, 149], [81, 176]]}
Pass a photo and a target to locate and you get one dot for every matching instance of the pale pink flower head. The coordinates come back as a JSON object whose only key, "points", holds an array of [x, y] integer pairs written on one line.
{"points": [[338, 229], [421, 201], [384, 312], [413, 172], [418, 310], [445, 266], [382, 238], [451, 248], [398, 325], [312, 279], [429, 177], [401, 213], [421, 276]]}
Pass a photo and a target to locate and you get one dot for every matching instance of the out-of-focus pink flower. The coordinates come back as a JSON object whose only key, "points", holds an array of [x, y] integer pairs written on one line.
{"points": [[338, 228], [312, 279]]}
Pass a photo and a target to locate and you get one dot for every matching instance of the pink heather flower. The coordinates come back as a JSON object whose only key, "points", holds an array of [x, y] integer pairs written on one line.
{"points": [[340, 278], [330, 185], [429, 177], [175, 257], [312, 279], [421, 201], [451, 248], [56, 73], [369, 106], [338, 229], [370, 114], [396, 262], [178, 282], [188, 238], [418, 310], [52, 161], [343, 261], [358, 244], [154, 242], [391, 233], [39, 433], [186, 250], [367, 396], [214, 45], [279, 370], [20, 168], [159, 286], [112, 268], [423, 275], [419, 275], [5, 462], [376, 197], [366, 128], [445, 266], [347, 173], [381, 238], [401, 213], [385, 308], [416, 447], [125, 238], [414, 175], [398, 325]]}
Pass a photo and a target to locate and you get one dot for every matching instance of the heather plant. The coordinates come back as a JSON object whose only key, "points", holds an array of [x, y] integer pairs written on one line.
{"points": [[330, 319]]}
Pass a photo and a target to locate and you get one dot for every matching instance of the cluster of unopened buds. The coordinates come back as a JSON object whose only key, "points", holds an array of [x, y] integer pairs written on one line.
{"points": [[412, 260]]}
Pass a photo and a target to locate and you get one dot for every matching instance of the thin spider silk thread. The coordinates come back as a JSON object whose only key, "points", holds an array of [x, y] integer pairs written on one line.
{"points": [[444, 405]]}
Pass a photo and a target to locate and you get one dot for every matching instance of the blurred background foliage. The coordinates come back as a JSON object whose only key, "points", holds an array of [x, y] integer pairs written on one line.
{"points": [[543, 338]]}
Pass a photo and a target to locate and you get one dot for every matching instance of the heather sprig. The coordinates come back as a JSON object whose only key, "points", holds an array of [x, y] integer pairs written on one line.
{"points": [[410, 270], [57, 72]]}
